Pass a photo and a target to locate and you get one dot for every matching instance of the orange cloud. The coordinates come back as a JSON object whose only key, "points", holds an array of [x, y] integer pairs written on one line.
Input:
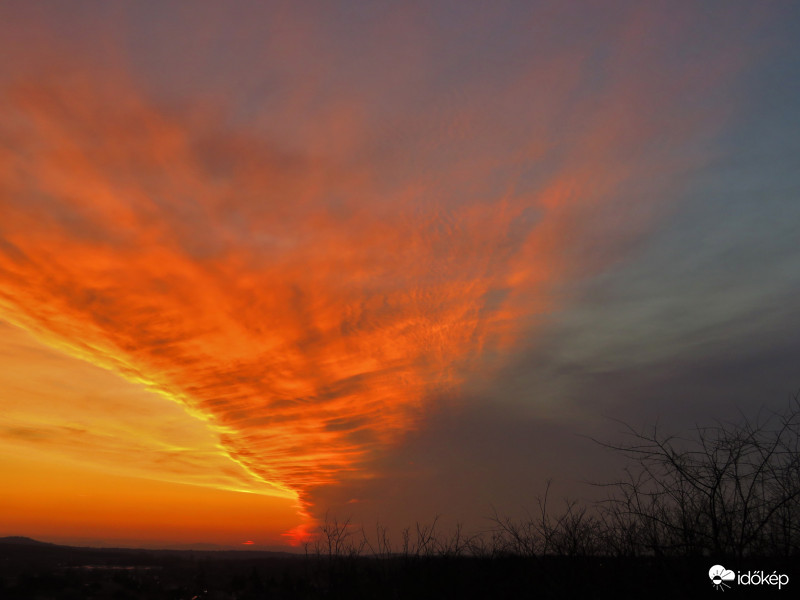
{"points": [[307, 304], [274, 295]]}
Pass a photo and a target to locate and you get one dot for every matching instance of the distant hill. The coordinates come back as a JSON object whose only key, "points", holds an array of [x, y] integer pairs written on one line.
{"points": [[22, 541], [28, 547]]}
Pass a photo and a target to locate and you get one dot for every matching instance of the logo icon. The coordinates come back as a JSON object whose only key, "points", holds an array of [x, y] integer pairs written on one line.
{"points": [[719, 575]]}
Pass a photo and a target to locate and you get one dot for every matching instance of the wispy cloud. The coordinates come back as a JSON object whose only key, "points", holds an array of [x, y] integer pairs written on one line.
{"points": [[309, 298]]}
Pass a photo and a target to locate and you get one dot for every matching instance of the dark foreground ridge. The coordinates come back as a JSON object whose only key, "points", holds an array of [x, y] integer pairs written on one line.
{"points": [[35, 570]]}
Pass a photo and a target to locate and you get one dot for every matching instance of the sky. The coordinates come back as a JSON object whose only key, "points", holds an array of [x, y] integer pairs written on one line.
{"points": [[262, 262]]}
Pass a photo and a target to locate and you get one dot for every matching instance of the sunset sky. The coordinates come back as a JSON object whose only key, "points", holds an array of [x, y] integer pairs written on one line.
{"points": [[260, 261]]}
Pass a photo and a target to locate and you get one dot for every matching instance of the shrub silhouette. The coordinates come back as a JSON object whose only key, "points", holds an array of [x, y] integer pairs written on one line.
{"points": [[731, 489]]}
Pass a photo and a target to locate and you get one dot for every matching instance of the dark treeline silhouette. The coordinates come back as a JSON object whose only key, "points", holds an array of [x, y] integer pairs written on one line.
{"points": [[724, 494], [727, 490]]}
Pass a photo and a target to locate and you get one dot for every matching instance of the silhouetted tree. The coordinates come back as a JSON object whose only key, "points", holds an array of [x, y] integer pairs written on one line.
{"points": [[732, 488]]}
